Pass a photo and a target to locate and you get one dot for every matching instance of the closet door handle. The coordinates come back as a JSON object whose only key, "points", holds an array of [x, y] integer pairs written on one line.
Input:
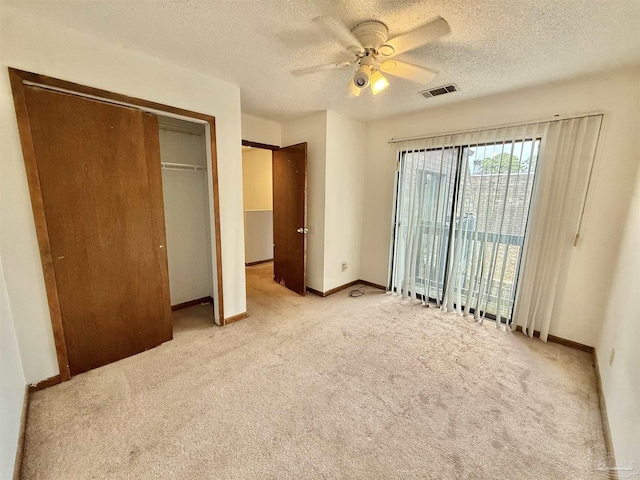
{"points": [[302, 230]]}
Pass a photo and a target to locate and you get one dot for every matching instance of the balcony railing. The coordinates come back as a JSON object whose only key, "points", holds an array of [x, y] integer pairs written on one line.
{"points": [[500, 249]]}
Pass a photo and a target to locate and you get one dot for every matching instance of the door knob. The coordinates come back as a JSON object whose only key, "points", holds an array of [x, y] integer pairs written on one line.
{"points": [[302, 230]]}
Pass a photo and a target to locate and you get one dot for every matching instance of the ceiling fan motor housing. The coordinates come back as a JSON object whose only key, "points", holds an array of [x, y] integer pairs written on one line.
{"points": [[372, 34]]}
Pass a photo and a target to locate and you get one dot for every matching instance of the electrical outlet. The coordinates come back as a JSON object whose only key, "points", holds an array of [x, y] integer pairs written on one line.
{"points": [[345, 266], [613, 354]]}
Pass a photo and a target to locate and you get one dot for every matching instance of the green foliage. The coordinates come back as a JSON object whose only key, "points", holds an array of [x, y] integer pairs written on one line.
{"points": [[501, 163]]}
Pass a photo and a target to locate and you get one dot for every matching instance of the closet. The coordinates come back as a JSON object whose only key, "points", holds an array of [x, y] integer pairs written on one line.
{"points": [[186, 210], [125, 202], [98, 174]]}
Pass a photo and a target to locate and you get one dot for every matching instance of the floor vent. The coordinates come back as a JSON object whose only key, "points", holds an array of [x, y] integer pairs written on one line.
{"points": [[434, 92]]}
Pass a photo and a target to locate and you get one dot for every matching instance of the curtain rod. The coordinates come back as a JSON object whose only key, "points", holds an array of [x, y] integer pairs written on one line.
{"points": [[495, 127]]}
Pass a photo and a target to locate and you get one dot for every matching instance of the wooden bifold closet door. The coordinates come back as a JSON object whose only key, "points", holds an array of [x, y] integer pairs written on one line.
{"points": [[99, 172]]}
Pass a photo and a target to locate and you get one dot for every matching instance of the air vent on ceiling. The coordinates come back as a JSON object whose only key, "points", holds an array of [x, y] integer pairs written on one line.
{"points": [[434, 92]]}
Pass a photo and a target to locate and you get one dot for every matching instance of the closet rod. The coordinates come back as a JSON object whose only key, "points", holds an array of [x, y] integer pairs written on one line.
{"points": [[182, 166], [180, 130]]}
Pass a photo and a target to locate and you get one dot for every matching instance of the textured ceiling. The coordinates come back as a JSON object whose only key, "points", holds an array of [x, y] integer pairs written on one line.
{"points": [[495, 45]]}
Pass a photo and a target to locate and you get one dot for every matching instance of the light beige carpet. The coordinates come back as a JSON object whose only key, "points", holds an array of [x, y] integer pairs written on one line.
{"points": [[308, 388]]}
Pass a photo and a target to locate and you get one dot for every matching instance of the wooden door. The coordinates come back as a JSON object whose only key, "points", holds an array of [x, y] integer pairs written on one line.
{"points": [[99, 171], [289, 217]]}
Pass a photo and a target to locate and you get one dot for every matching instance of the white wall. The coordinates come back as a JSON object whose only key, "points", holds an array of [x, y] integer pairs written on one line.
{"points": [[313, 130], [29, 44], [346, 142], [258, 235], [12, 385], [186, 214], [592, 263], [261, 130], [257, 179], [335, 163], [621, 331]]}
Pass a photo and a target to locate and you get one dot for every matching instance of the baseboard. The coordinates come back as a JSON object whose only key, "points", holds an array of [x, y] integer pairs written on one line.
{"points": [[251, 264], [17, 467], [235, 318], [333, 290], [315, 292], [191, 303], [371, 284], [608, 440], [562, 341], [570, 343], [342, 287], [46, 383]]}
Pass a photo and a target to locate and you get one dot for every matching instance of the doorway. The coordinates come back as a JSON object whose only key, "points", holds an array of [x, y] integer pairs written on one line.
{"points": [[185, 178], [98, 208], [275, 210], [257, 195]]}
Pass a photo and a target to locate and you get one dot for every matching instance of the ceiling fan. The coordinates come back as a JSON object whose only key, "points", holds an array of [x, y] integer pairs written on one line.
{"points": [[374, 53]]}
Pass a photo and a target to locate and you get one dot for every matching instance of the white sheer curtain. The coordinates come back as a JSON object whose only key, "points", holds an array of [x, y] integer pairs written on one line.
{"points": [[491, 209], [568, 151], [462, 233], [424, 189]]}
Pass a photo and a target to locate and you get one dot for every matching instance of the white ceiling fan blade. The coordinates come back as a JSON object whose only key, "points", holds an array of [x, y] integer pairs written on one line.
{"points": [[416, 38], [338, 30], [408, 71], [318, 68]]}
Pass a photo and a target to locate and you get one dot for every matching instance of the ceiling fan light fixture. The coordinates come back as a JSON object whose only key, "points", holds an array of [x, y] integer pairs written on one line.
{"points": [[378, 82], [353, 89], [362, 77]]}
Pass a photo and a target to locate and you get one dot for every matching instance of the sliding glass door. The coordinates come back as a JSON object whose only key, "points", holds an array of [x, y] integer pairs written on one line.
{"points": [[460, 222], [423, 214]]}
